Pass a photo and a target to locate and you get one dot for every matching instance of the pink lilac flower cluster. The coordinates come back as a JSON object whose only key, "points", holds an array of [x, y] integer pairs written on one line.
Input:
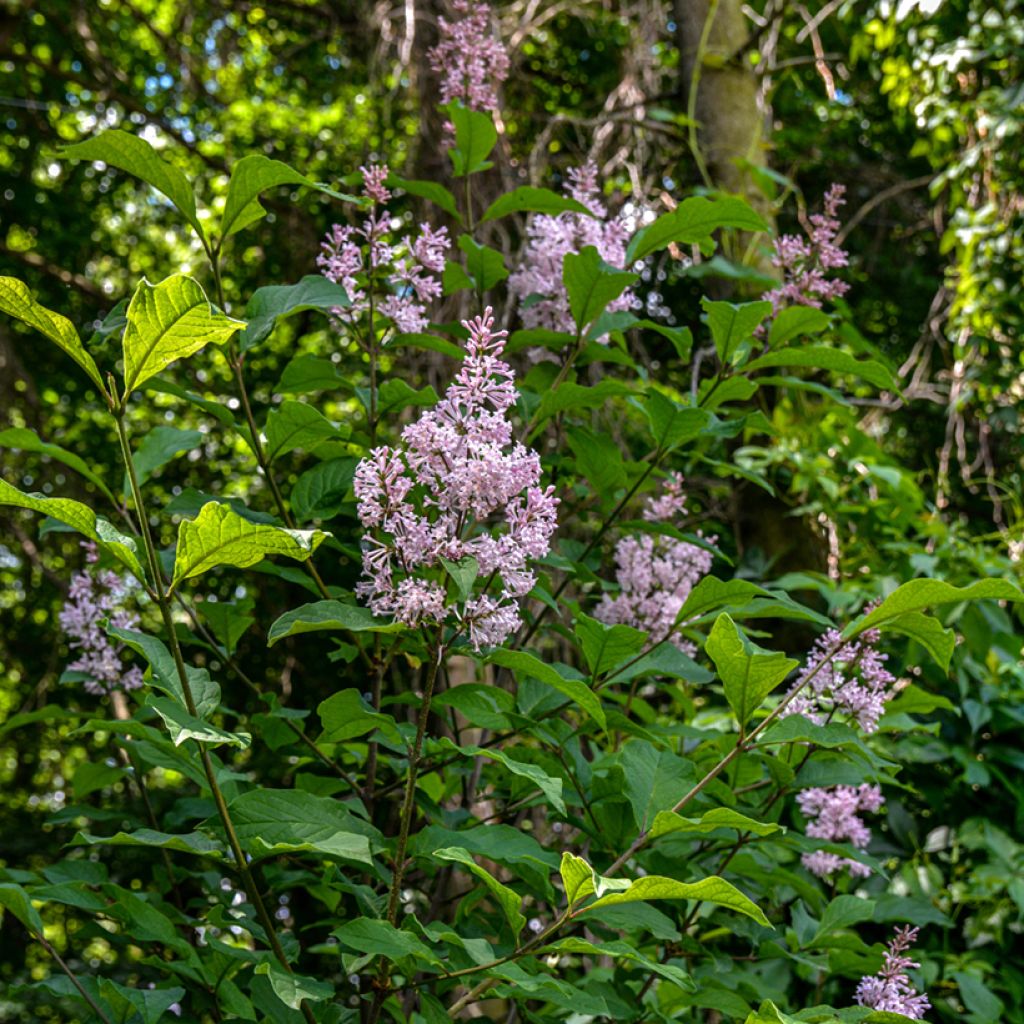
{"points": [[655, 573], [806, 263], [96, 597], [470, 58], [362, 258], [537, 281], [891, 990], [854, 681], [835, 817], [458, 487]]}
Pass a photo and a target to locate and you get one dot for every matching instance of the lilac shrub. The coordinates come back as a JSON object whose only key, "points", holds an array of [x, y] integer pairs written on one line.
{"points": [[442, 495], [891, 990]]}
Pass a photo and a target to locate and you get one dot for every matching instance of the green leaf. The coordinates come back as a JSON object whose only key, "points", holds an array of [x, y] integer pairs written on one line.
{"points": [[525, 664], [599, 460], [229, 621], [380, 938], [475, 137], [791, 322], [692, 223], [25, 440], [655, 779], [748, 672], [79, 517], [733, 324], [220, 536], [159, 446], [320, 492], [253, 175], [572, 397], [437, 194], [329, 615], [17, 901], [304, 374], [16, 300], [577, 878], [463, 574], [272, 821], [711, 593], [345, 715], [938, 641], [291, 988], [508, 900], [429, 342], [668, 822], [842, 912], [189, 842], [547, 784], [184, 726], [526, 198], [486, 267], [681, 337], [709, 890], [607, 647], [166, 322], [918, 595], [978, 997], [274, 303], [294, 425], [832, 359], [591, 284], [671, 424], [136, 156]]}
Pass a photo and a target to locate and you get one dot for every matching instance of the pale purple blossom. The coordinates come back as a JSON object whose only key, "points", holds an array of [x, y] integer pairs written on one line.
{"points": [[458, 487], [807, 263], [471, 59], [655, 573], [834, 816], [96, 598], [853, 682], [891, 990], [537, 281], [403, 274]]}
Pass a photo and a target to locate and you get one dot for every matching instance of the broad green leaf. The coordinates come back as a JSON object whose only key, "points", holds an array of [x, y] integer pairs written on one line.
{"points": [[748, 672], [79, 517], [163, 671], [166, 322], [463, 574], [508, 900], [711, 593], [184, 726], [17, 901], [329, 615], [526, 664], [189, 842], [272, 821], [708, 890], [250, 177], [220, 536], [25, 440], [455, 279], [577, 878], [139, 1005], [291, 988], [229, 621], [379, 938], [938, 641], [791, 322], [668, 822], [429, 342], [437, 194], [17, 301], [917, 595], [345, 715], [621, 950], [572, 397], [733, 324], [842, 912], [475, 137], [320, 492], [714, 393], [599, 459], [981, 1002], [655, 779], [681, 337], [547, 784], [274, 303], [819, 357], [305, 374], [538, 337], [294, 425], [136, 156], [692, 223], [218, 410], [607, 647], [591, 284], [159, 446], [485, 266], [526, 198], [672, 424]]}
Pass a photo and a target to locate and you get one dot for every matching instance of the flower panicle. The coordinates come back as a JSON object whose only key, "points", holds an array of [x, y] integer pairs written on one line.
{"points": [[891, 990]]}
